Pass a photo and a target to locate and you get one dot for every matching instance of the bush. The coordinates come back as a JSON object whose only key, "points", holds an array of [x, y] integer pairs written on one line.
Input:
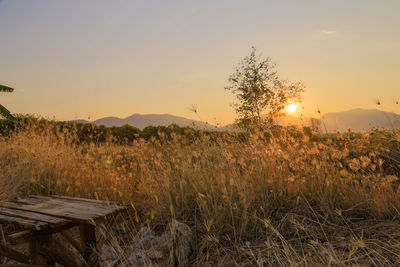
{"points": [[125, 134]]}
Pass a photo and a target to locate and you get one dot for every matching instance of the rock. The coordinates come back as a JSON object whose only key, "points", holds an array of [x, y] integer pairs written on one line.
{"points": [[182, 236], [172, 247]]}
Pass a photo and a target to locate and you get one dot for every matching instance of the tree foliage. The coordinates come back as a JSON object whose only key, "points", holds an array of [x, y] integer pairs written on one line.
{"points": [[3, 111], [260, 92]]}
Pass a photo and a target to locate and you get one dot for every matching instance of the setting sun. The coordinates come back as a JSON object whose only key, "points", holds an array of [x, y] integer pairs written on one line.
{"points": [[291, 108]]}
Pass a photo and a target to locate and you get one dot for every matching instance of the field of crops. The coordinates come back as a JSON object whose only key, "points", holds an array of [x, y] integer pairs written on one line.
{"points": [[287, 200]]}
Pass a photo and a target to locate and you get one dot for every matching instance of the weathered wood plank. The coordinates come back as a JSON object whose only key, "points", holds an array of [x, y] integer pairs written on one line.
{"points": [[103, 207], [72, 241], [109, 205], [13, 254], [19, 237], [92, 201], [84, 202], [31, 216], [27, 224], [38, 203], [60, 208]]}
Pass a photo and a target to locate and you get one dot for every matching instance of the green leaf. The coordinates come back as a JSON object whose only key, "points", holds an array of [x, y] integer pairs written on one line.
{"points": [[4, 88], [5, 113]]}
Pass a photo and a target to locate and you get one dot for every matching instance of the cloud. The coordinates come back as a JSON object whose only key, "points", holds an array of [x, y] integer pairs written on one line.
{"points": [[192, 77], [328, 32]]}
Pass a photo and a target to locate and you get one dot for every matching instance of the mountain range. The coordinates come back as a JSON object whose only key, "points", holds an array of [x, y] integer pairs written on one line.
{"points": [[143, 120], [358, 120]]}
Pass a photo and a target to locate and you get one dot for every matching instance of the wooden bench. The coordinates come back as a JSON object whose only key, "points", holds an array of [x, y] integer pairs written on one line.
{"points": [[40, 217]]}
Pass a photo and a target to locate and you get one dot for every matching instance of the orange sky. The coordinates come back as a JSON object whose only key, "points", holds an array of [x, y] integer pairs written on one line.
{"points": [[88, 59]]}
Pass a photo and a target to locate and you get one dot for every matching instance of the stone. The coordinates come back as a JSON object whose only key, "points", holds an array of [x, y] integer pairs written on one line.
{"points": [[146, 249]]}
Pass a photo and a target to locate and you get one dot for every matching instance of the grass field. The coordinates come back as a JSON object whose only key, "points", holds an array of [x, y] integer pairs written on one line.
{"points": [[288, 201]]}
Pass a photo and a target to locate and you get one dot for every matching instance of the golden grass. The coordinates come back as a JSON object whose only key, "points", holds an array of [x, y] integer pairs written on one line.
{"points": [[287, 202]]}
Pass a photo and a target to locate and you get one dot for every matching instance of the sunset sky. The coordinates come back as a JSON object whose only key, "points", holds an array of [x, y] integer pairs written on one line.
{"points": [[88, 59]]}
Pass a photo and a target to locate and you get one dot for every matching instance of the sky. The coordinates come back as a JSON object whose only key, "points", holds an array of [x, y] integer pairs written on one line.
{"points": [[89, 59]]}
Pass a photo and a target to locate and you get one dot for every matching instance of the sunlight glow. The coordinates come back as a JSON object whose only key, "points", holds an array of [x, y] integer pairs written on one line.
{"points": [[291, 108]]}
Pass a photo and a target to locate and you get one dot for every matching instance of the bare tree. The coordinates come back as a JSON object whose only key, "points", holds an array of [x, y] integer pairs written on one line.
{"points": [[261, 94]]}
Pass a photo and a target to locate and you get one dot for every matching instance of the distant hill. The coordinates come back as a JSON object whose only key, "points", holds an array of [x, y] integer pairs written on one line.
{"points": [[360, 120], [143, 120]]}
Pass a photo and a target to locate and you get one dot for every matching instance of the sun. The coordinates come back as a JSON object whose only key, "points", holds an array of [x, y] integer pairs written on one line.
{"points": [[291, 108]]}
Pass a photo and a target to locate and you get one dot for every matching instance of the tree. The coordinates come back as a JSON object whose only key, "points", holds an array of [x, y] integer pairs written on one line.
{"points": [[261, 94], [3, 111]]}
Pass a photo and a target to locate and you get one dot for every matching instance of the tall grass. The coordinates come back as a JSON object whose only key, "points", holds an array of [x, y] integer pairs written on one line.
{"points": [[285, 201]]}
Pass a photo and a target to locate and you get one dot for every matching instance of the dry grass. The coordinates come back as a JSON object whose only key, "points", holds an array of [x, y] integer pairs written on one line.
{"points": [[287, 202]]}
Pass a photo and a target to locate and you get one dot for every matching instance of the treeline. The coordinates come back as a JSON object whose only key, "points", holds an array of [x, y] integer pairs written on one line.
{"points": [[92, 133]]}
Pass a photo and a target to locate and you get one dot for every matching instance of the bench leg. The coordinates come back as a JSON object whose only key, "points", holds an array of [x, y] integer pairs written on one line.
{"points": [[88, 241], [2, 241], [37, 256], [33, 250]]}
